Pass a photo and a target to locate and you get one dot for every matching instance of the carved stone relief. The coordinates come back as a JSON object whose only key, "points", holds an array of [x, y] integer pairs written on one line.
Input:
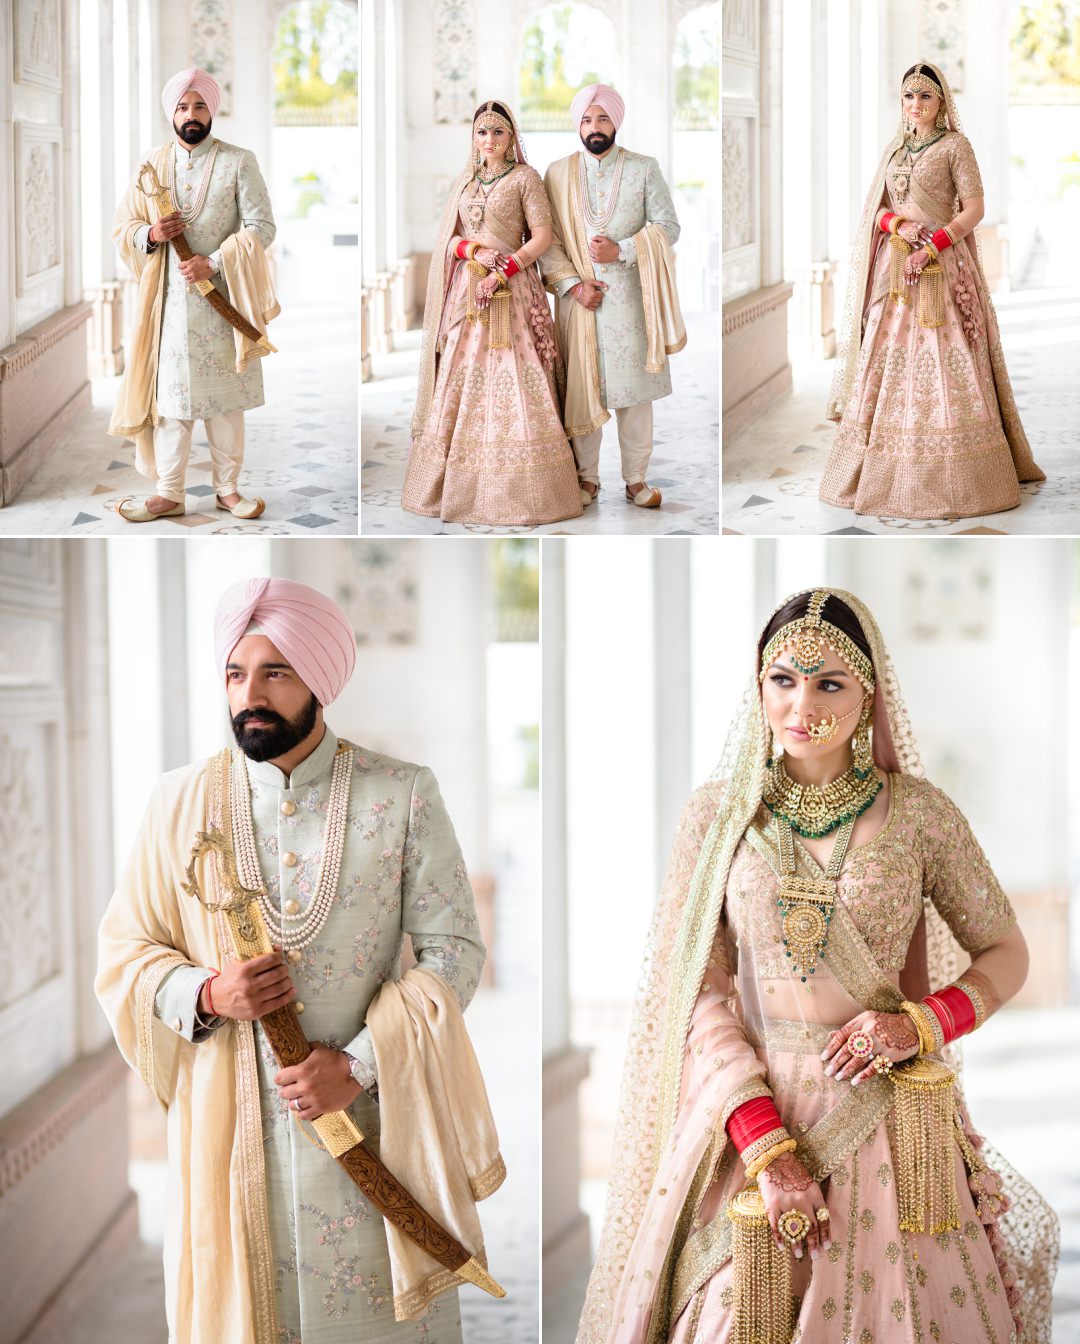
{"points": [[738, 182], [38, 215], [379, 590], [741, 25], [27, 925], [943, 34], [212, 45], [37, 42], [455, 61]]}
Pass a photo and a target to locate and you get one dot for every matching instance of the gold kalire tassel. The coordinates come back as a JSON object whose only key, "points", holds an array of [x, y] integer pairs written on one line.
{"points": [[925, 1158], [930, 311], [472, 313], [899, 251], [499, 338], [761, 1306]]}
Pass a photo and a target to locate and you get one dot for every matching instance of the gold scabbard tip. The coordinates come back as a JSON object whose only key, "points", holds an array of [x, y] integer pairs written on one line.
{"points": [[474, 1272]]}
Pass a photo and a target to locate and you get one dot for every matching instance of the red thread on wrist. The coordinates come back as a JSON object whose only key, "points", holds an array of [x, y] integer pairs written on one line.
{"points": [[954, 1010], [884, 226], [752, 1120], [941, 240], [209, 995]]}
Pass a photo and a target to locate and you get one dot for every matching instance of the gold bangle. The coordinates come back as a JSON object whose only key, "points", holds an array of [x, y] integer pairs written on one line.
{"points": [[769, 1157], [926, 1038], [894, 224], [471, 250], [934, 253]]}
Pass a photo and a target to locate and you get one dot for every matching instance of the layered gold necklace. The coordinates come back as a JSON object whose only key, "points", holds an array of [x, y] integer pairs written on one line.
{"points": [[814, 812]]}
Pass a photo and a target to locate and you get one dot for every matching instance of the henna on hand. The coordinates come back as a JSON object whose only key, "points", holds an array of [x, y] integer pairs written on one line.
{"points": [[787, 1173], [896, 1031]]}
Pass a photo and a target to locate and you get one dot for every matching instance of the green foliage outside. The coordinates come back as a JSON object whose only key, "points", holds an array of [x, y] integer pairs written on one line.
{"points": [[697, 81], [530, 742], [544, 92], [315, 64], [515, 573], [1045, 51]]}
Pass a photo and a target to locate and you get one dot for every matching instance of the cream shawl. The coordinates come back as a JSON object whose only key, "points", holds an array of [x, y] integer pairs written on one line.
{"points": [[437, 1133], [251, 292], [664, 327], [575, 326], [218, 1267]]}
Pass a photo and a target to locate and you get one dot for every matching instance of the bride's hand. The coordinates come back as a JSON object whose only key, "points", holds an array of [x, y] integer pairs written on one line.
{"points": [[914, 264], [785, 1184], [910, 232], [486, 256], [893, 1035], [485, 288]]}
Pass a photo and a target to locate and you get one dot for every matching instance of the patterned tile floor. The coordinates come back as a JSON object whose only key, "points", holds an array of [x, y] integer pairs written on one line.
{"points": [[684, 463], [1013, 1082], [772, 469], [130, 1309], [300, 453]]}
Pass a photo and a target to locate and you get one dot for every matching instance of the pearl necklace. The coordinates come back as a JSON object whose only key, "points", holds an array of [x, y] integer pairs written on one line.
{"points": [[303, 929], [598, 221], [189, 213]]}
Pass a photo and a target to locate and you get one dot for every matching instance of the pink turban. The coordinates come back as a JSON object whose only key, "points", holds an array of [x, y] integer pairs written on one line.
{"points": [[205, 85], [312, 632], [603, 94]]}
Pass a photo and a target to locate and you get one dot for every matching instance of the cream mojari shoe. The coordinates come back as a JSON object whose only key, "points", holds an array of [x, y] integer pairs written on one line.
{"points": [[648, 497], [244, 508], [139, 513], [586, 498]]}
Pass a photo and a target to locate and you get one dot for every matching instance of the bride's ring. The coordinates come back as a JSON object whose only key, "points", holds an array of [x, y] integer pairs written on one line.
{"points": [[881, 1064], [793, 1226], [822, 1215], [861, 1045]]}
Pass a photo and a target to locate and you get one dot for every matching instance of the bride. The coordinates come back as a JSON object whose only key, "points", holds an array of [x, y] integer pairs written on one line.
{"points": [[928, 422], [488, 440]]}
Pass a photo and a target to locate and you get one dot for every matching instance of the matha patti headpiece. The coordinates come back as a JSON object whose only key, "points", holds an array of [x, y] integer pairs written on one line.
{"points": [[920, 83], [489, 120], [809, 637]]}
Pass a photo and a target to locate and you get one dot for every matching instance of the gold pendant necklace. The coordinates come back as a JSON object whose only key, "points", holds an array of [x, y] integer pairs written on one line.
{"points": [[814, 812], [806, 903]]}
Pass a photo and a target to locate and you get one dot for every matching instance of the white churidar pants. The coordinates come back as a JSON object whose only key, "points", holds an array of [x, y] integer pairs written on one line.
{"points": [[172, 446], [635, 444]]}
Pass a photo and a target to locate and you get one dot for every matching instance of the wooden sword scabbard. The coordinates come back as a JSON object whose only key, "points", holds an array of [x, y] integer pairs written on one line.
{"points": [[338, 1132]]}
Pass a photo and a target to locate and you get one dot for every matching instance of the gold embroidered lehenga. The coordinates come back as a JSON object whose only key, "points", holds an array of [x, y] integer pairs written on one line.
{"points": [[488, 439], [928, 425], [721, 1018]]}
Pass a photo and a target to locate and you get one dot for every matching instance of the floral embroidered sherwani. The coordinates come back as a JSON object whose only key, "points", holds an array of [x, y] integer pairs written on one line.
{"points": [[401, 872], [644, 198], [197, 375]]}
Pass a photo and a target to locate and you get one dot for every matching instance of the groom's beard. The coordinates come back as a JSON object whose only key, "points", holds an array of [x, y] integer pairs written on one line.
{"points": [[596, 143], [279, 737], [192, 132]]}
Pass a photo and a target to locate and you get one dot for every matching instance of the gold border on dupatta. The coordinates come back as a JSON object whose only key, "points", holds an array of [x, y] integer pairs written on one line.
{"points": [[149, 983], [248, 1110], [592, 345]]}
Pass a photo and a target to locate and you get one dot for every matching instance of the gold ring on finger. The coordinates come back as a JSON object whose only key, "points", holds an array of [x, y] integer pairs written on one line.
{"points": [[861, 1045], [822, 1215], [881, 1064], [793, 1226]]}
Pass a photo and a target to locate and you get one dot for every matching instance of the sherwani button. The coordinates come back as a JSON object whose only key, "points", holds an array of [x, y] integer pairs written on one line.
{"points": [[289, 859], [288, 807], [295, 954], [299, 1006], [292, 907]]}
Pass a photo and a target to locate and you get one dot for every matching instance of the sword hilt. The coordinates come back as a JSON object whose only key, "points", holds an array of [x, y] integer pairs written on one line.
{"points": [[157, 190]]}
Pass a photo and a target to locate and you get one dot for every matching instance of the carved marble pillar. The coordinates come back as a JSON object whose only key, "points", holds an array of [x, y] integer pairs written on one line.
{"points": [[365, 335], [106, 333], [382, 317], [65, 1090], [755, 359]]}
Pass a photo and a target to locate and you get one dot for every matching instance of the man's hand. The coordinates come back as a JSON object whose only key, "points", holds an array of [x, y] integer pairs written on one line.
{"points": [[195, 269], [603, 249], [321, 1083], [247, 990], [168, 226], [589, 293]]}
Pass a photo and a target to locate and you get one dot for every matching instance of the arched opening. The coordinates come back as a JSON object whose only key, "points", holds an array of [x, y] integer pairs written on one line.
{"points": [[696, 155], [563, 47]]}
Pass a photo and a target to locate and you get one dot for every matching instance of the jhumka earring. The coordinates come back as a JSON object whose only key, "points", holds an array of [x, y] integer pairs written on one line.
{"points": [[477, 158], [862, 756], [942, 120], [511, 157]]}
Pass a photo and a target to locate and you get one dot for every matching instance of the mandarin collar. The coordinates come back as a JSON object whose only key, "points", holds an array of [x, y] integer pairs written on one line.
{"points": [[311, 768], [593, 165], [185, 155]]}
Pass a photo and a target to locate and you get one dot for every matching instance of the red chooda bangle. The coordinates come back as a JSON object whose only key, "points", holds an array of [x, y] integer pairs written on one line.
{"points": [[512, 267], [954, 1010], [942, 240], [752, 1121], [460, 251], [885, 218]]}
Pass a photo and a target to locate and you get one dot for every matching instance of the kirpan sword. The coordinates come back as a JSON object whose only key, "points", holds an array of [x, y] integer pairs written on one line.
{"points": [[159, 193], [340, 1135]]}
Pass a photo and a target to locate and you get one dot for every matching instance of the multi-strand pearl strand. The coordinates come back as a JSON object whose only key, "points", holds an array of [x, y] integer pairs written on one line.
{"points": [[310, 924], [189, 213], [598, 222]]}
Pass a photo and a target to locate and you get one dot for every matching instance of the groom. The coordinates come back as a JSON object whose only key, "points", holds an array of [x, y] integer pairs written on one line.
{"points": [[611, 269]]}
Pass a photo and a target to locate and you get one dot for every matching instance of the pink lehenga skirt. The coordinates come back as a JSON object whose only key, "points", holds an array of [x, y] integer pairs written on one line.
{"points": [[931, 428], [876, 1284], [493, 448]]}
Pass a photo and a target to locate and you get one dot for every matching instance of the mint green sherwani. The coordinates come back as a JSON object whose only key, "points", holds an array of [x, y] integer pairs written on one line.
{"points": [[643, 198], [401, 872]]}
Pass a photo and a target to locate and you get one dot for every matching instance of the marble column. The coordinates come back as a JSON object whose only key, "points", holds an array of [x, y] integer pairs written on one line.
{"points": [[756, 370]]}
